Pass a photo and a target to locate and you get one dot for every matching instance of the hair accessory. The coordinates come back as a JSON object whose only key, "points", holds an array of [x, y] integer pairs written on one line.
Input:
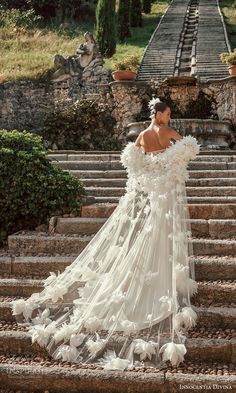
{"points": [[152, 104]]}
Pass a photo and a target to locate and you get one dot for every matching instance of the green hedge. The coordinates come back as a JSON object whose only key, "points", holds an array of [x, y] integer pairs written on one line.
{"points": [[31, 187]]}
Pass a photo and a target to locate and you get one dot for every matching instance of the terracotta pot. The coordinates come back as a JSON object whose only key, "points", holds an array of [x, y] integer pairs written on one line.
{"points": [[232, 69], [123, 75]]}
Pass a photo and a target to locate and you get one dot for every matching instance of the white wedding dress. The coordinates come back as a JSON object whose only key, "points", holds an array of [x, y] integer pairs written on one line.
{"points": [[125, 300]]}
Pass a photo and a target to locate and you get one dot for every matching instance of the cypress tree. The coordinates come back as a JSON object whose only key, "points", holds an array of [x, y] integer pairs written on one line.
{"points": [[124, 19], [106, 27], [147, 6], [136, 13]]}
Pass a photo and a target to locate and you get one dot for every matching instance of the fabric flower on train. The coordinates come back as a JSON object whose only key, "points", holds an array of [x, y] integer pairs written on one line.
{"points": [[184, 284], [112, 362], [173, 352], [118, 297], [145, 349], [167, 303], [128, 326], [95, 346], [51, 279], [56, 292], [42, 333], [68, 353], [89, 274], [86, 290], [187, 317], [77, 339], [23, 306], [42, 318], [93, 323], [64, 332]]}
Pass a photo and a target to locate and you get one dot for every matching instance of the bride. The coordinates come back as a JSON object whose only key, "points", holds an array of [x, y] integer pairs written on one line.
{"points": [[125, 300]]}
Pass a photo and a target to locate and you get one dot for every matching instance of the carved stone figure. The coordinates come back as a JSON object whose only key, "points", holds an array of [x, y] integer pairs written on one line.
{"points": [[67, 66]]}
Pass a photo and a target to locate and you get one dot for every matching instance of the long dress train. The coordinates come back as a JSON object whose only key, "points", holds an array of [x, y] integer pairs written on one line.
{"points": [[125, 300]]}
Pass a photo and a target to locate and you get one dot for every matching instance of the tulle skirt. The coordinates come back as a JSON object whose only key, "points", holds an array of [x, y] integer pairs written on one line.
{"points": [[125, 300]]}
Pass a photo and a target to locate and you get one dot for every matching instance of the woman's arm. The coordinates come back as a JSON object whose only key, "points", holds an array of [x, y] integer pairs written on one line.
{"points": [[172, 134], [138, 140]]}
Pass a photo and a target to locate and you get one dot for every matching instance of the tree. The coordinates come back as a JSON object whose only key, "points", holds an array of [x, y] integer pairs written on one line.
{"points": [[136, 13], [147, 6], [106, 27], [124, 19]]}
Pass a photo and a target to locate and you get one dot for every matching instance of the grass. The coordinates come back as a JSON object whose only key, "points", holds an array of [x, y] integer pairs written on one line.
{"points": [[228, 9], [28, 53]]}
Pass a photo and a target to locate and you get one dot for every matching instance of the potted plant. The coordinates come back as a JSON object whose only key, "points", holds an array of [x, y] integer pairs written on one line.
{"points": [[126, 69], [230, 59]]}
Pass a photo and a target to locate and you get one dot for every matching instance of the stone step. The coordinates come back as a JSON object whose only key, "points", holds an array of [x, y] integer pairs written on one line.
{"points": [[195, 199], [210, 173], [210, 317], [200, 174], [206, 267], [196, 211], [36, 265], [22, 287], [33, 243], [215, 267], [215, 292], [218, 291], [77, 156], [214, 229], [200, 227], [60, 377], [43, 243], [191, 191], [121, 182], [203, 152], [115, 164], [206, 246], [210, 350]]}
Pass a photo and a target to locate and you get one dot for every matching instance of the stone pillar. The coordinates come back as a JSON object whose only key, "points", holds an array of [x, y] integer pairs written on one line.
{"points": [[128, 101]]}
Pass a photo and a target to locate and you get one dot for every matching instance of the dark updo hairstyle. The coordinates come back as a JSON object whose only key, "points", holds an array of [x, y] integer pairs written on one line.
{"points": [[160, 107]]}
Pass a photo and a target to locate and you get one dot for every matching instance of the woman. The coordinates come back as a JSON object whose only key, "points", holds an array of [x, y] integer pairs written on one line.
{"points": [[125, 300]]}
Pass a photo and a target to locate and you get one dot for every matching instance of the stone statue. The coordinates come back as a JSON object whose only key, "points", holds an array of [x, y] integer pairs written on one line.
{"points": [[67, 66]]}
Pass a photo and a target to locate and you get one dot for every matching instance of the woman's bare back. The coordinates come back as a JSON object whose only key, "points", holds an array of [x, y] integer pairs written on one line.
{"points": [[154, 140]]}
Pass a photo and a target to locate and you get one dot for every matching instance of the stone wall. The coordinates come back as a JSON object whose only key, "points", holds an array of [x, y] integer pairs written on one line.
{"points": [[213, 99], [25, 104]]}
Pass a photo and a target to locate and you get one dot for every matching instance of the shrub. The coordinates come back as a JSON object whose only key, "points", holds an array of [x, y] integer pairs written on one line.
{"points": [[14, 18], [85, 125], [229, 58], [31, 187], [131, 63]]}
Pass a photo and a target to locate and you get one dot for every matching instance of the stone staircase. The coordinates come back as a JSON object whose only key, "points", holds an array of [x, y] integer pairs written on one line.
{"points": [[31, 255], [187, 42]]}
